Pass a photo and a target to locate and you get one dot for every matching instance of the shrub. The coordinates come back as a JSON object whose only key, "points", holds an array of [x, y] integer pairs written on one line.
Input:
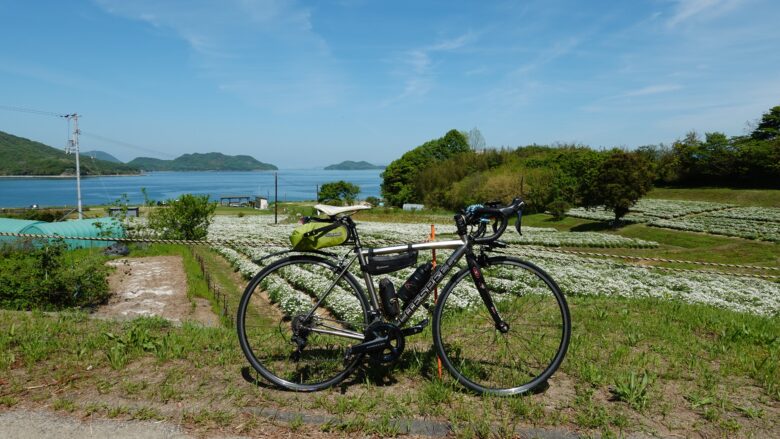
{"points": [[558, 209], [48, 276], [186, 218]]}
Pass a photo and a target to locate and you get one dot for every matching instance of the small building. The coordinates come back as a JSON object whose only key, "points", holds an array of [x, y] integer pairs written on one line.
{"points": [[261, 203], [119, 212], [234, 200], [410, 207]]}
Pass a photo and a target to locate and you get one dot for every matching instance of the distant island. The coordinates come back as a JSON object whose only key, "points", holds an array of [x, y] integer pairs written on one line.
{"points": [[212, 161], [349, 165], [20, 157]]}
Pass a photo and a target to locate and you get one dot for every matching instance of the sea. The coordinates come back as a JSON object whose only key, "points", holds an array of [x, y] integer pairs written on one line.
{"points": [[293, 185]]}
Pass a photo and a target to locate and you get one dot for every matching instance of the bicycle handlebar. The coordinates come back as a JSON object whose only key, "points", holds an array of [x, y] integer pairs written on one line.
{"points": [[478, 213]]}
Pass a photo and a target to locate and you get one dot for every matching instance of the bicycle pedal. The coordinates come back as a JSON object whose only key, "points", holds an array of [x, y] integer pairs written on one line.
{"points": [[416, 329]]}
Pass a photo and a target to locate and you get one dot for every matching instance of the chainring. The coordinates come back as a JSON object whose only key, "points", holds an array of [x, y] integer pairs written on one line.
{"points": [[394, 346]]}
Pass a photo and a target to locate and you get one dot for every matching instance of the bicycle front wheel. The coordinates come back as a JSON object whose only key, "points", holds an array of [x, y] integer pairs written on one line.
{"points": [[487, 360], [292, 337]]}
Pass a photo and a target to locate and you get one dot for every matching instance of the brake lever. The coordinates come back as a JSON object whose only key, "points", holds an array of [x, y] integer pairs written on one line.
{"points": [[519, 223]]}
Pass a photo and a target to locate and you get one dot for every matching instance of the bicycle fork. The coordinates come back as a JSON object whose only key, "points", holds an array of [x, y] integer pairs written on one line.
{"points": [[479, 282]]}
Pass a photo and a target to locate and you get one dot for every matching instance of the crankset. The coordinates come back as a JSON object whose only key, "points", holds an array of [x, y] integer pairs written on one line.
{"points": [[384, 342]]}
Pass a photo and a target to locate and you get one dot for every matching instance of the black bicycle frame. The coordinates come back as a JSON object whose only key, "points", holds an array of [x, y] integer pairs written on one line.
{"points": [[462, 247]]}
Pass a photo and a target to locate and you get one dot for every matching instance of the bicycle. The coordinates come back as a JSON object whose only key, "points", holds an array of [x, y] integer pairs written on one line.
{"points": [[500, 326]]}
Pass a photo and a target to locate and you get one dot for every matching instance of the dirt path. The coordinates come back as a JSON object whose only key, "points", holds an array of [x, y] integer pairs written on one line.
{"points": [[153, 286]]}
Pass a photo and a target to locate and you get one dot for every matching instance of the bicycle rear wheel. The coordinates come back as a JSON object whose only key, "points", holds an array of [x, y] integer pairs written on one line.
{"points": [[483, 358], [281, 343]]}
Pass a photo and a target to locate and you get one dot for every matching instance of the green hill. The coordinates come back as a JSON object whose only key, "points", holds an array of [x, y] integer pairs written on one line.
{"points": [[212, 161], [20, 156], [349, 165], [101, 155]]}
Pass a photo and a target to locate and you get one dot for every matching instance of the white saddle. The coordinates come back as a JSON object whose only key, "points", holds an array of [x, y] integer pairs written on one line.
{"points": [[335, 210]]}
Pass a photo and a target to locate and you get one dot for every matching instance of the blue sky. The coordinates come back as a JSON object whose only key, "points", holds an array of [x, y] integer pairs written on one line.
{"points": [[301, 84]]}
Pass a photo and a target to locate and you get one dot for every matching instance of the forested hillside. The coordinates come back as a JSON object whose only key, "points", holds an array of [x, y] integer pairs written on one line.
{"points": [[349, 165], [212, 161], [555, 178], [20, 156]]}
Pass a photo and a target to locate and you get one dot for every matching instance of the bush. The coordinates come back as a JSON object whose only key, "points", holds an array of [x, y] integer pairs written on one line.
{"points": [[49, 276], [186, 218], [558, 209]]}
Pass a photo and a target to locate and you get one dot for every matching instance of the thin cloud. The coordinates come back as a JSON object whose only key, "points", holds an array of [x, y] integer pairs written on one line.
{"points": [[244, 45], [651, 90], [687, 10], [420, 65]]}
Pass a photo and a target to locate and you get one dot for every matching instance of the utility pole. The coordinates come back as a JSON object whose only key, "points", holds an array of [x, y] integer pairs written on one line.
{"points": [[276, 196], [73, 148], [317, 194]]}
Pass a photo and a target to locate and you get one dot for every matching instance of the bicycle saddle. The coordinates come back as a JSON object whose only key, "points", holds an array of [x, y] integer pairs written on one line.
{"points": [[336, 210]]}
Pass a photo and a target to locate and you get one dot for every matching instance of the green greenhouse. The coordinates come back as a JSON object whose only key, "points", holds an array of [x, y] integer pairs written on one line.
{"points": [[87, 228]]}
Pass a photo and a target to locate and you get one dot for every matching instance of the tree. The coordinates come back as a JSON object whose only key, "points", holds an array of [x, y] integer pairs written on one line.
{"points": [[622, 179], [338, 192], [476, 141], [186, 218], [400, 176], [769, 127]]}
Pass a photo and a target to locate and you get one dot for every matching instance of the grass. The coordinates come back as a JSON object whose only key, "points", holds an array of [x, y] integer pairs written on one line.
{"points": [[742, 197], [627, 360]]}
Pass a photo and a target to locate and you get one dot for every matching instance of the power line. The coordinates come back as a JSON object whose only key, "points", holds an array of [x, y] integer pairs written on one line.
{"points": [[30, 111], [125, 144]]}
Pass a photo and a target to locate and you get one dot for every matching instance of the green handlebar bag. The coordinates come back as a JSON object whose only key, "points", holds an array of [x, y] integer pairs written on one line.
{"points": [[317, 235]]}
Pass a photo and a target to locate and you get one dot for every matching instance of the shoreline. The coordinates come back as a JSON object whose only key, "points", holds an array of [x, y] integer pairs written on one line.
{"points": [[72, 177]]}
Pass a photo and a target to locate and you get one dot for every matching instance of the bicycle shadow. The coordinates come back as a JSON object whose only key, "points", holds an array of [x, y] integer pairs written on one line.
{"points": [[420, 363]]}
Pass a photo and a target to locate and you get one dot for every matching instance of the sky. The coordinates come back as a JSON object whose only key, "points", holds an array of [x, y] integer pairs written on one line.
{"points": [[305, 84]]}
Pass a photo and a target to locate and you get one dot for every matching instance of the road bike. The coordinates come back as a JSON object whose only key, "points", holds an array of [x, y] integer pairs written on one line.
{"points": [[500, 326]]}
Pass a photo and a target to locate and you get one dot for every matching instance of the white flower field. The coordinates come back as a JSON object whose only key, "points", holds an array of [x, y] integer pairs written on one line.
{"points": [[648, 209], [577, 276], [759, 223]]}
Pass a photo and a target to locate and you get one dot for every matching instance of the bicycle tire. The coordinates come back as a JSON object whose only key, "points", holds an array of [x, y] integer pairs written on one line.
{"points": [[482, 358], [267, 312]]}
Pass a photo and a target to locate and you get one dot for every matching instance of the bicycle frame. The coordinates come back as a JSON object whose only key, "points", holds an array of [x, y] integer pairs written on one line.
{"points": [[460, 247]]}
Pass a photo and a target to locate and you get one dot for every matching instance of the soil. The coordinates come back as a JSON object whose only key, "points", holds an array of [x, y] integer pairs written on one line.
{"points": [[153, 286]]}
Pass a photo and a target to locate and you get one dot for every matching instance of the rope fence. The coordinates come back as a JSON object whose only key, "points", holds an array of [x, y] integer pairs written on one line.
{"points": [[254, 244]]}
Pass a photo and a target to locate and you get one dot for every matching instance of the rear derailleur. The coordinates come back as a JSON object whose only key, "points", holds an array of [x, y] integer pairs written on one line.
{"points": [[300, 330]]}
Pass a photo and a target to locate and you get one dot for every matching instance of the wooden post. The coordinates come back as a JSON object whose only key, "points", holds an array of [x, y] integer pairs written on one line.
{"points": [[435, 289]]}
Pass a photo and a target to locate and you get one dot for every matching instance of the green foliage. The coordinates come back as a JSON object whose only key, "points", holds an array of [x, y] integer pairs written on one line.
{"points": [[212, 161], [719, 160], [35, 276], [338, 192], [20, 156], [540, 174], [769, 127], [399, 183], [620, 181], [373, 201], [186, 218], [633, 389], [47, 215]]}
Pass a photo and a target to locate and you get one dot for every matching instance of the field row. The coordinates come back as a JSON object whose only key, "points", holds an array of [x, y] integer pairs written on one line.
{"points": [[579, 276], [759, 223], [723, 225], [262, 229], [647, 209]]}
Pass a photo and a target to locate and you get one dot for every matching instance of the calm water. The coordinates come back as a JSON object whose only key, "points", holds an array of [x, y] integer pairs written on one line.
{"points": [[294, 185]]}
